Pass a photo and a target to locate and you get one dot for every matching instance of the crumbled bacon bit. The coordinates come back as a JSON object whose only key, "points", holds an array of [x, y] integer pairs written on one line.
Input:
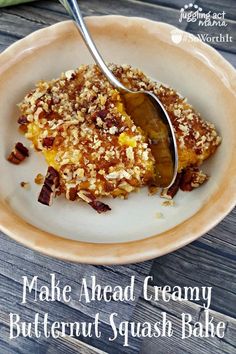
{"points": [[18, 154], [51, 183]]}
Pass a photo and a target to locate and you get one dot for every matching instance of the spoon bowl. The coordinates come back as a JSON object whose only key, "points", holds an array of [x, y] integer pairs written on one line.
{"points": [[148, 113], [144, 108]]}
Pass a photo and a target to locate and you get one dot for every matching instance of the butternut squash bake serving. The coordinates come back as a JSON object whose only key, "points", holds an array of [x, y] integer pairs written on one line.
{"points": [[92, 146]]}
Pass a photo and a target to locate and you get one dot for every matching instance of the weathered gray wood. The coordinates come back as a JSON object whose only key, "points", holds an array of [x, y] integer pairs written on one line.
{"points": [[214, 31], [97, 7], [176, 4], [152, 312], [229, 56], [17, 261], [219, 6], [62, 345], [18, 21], [210, 261]]}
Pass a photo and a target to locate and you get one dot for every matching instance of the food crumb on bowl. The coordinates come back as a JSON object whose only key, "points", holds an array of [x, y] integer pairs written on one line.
{"points": [[168, 203], [39, 179], [153, 190], [25, 185], [159, 215]]}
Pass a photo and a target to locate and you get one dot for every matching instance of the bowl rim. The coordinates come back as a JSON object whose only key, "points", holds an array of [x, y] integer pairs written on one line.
{"points": [[139, 250]]}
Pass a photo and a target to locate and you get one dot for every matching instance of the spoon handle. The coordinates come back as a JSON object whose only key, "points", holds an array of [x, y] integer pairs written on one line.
{"points": [[73, 9]]}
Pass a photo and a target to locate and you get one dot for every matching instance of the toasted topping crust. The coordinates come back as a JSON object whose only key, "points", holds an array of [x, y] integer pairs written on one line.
{"points": [[79, 123]]}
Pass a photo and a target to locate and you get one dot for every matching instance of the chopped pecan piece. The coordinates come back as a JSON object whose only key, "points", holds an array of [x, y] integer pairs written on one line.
{"points": [[22, 120], [95, 204], [112, 122], [99, 206], [103, 113], [51, 183], [48, 141], [172, 191], [192, 178], [73, 194], [185, 183], [45, 196], [18, 154]]}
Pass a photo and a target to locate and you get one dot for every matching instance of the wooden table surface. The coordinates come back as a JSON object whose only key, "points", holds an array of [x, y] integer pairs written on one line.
{"points": [[209, 261]]}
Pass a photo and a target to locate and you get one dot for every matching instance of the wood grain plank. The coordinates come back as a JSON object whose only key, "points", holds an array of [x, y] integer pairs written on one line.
{"points": [[152, 311], [96, 7], [216, 32], [176, 4], [19, 21], [228, 6], [126, 8], [207, 261], [210, 261], [17, 261], [68, 345], [231, 57]]}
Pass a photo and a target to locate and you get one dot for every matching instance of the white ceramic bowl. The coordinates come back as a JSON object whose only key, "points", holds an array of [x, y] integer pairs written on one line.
{"points": [[131, 232]]}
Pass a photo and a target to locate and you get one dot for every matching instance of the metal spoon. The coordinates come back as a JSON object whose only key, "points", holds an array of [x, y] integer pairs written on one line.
{"points": [[144, 108]]}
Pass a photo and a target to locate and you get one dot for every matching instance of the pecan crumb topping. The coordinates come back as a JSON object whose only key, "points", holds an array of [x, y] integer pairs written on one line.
{"points": [[80, 124]]}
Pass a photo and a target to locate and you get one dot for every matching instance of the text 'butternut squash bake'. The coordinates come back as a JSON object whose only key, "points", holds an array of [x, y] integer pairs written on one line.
{"points": [[92, 146]]}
